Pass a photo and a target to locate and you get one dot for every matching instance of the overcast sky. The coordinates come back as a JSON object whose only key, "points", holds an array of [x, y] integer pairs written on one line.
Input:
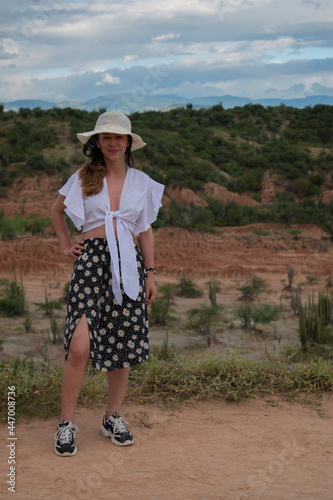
{"points": [[77, 50]]}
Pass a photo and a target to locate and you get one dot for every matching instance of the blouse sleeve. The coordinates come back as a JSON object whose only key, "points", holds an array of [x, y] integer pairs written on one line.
{"points": [[73, 200], [151, 207]]}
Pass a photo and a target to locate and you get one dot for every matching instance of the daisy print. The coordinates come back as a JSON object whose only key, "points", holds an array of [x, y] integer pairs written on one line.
{"points": [[131, 355], [102, 331], [126, 323], [87, 273], [121, 333], [109, 350], [80, 267], [84, 256], [126, 365], [112, 340], [107, 308], [110, 326], [126, 312], [136, 329], [96, 289], [87, 290], [76, 288], [95, 259], [115, 357], [99, 271], [120, 345], [114, 314], [137, 311], [130, 344], [90, 303], [81, 296], [134, 319], [81, 305], [107, 363]]}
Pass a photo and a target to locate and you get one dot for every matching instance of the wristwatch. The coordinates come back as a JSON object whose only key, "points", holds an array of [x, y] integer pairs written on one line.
{"points": [[150, 269]]}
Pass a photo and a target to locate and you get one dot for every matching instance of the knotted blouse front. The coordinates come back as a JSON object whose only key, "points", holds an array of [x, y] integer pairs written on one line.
{"points": [[140, 201]]}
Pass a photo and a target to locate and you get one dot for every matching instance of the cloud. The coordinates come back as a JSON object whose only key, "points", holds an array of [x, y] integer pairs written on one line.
{"points": [[130, 57], [165, 38], [78, 50], [108, 80]]}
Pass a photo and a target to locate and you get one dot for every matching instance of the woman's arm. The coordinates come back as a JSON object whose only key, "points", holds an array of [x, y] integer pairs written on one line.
{"points": [[146, 242], [61, 229]]}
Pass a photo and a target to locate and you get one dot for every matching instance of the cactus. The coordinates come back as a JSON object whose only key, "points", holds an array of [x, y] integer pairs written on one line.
{"points": [[313, 318]]}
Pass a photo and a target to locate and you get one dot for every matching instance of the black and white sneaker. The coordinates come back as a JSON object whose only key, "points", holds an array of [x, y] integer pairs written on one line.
{"points": [[115, 428], [64, 437]]}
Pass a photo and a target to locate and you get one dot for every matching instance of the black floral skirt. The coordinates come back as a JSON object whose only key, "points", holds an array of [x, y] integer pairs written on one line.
{"points": [[118, 333]]}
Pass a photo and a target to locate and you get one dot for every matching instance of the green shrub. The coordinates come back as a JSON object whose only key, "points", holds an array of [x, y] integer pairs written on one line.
{"points": [[13, 301], [159, 313], [205, 320], [187, 288], [262, 314]]}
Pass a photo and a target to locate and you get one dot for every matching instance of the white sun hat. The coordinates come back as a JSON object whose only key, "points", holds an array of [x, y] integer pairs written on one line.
{"points": [[113, 122]]}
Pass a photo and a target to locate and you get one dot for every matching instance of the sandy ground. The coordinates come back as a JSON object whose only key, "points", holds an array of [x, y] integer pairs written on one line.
{"points": [[256, 449]]}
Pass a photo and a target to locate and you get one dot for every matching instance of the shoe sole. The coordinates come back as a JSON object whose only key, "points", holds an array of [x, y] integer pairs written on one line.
{"points": [[106, 433], [66, 454]]}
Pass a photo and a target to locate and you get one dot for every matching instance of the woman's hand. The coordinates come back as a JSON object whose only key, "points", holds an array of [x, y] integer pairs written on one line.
{"points": [[74, 250], [151, 290]]}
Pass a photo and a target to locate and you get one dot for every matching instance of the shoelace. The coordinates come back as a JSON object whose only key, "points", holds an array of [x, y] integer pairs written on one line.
{"points": [[119, 426], [65, 434]]}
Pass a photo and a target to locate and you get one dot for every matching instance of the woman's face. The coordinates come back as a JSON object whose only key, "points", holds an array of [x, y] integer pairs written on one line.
{"points": [[113, 146]]}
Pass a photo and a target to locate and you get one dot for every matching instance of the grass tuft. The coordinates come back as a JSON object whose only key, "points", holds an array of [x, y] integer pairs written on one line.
{"points": [[38, 389]]}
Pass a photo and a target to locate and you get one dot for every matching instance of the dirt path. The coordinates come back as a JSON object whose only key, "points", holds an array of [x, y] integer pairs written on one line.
{"points": [[256, 449]]}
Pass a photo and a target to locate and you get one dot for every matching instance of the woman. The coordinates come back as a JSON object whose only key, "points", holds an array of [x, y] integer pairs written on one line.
{"points": [[113, 277]]}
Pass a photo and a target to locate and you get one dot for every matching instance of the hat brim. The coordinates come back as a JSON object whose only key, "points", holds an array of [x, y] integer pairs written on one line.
{"points": [[137, 142]]}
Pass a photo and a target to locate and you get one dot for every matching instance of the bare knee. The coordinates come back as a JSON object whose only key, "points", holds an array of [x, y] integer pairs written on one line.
{"points": [[78, 353], [79, 348]]}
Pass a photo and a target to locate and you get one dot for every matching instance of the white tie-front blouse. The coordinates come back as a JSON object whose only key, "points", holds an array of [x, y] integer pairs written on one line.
{"points": [[140, 201]]}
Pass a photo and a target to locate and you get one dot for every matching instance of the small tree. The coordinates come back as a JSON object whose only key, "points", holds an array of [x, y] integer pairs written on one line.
{"points": [[205, 321]]}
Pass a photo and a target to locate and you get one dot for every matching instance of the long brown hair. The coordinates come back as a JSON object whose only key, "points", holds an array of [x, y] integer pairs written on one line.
{"points": [[92, 173]]}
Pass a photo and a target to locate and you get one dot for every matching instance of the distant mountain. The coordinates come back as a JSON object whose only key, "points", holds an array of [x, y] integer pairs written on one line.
{"points": [[130, 103]]}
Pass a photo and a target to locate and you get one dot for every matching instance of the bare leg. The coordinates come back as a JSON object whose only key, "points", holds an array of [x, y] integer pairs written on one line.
{"points": [[117, 382], [75, 369]]}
